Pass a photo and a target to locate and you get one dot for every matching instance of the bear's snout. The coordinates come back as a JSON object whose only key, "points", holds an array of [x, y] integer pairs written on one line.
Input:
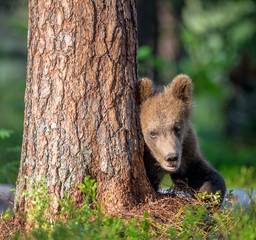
{"points": [[171, 162], [172, 157]]}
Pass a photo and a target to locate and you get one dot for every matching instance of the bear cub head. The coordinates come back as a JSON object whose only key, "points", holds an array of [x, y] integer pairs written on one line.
{"points": [[164, 118]]}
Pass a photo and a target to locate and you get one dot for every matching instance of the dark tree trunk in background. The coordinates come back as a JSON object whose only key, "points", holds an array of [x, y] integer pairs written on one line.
{"points": [[168, 43], [81, 115], [148, 30], [159, 28], [240, 109]]}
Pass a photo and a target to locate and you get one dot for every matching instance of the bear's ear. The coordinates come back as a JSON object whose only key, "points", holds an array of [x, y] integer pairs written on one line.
{"points": [[181, 88], [145, 88]]}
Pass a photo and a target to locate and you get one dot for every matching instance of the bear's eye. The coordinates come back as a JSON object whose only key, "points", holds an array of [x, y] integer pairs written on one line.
{"points": [[177, 128], [152, 134]]}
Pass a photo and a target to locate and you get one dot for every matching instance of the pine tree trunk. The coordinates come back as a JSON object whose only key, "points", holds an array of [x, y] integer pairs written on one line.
{"points": [[80, 102]]}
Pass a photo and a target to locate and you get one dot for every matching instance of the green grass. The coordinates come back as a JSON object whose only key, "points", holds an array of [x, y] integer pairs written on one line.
{"points": [[239, 177]]}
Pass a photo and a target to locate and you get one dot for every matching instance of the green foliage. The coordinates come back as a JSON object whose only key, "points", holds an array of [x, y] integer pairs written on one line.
{"points": [[10, 140], [147, 60], [227, 223], [209, 200], [216, 36], [9, 169], [213, 38], [38, 212], [6, 214], [5, 133], [86, 222], [245, 221], [89, 188], [12, 85], [9, 172], [197, 221], [21, 27], [194, 217], [240, 177]]}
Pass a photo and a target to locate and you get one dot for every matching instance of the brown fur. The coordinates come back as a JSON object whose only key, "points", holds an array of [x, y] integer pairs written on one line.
{"points": [[171, 143]]}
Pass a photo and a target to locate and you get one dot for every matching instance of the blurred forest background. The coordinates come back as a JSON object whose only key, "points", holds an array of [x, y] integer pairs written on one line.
{"points": [[214, 42]]}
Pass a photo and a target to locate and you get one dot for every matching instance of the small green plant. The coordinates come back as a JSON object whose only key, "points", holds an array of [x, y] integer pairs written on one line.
{"points": [[38, 212], [89, 188], [210, 200], [6, 214]]}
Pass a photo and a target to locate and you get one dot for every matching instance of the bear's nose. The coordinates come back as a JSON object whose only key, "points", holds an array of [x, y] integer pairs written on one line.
{"points": [[172, 157]]}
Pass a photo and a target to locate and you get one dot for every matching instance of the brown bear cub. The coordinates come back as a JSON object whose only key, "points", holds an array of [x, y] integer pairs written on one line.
{"points": [[171, 143]]}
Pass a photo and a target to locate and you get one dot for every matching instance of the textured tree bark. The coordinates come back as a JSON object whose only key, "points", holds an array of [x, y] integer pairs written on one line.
{"points": [[80, 102]]}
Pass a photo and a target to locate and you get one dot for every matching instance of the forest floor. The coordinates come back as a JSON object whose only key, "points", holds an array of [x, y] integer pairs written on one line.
{"points": [[159, 215]]}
